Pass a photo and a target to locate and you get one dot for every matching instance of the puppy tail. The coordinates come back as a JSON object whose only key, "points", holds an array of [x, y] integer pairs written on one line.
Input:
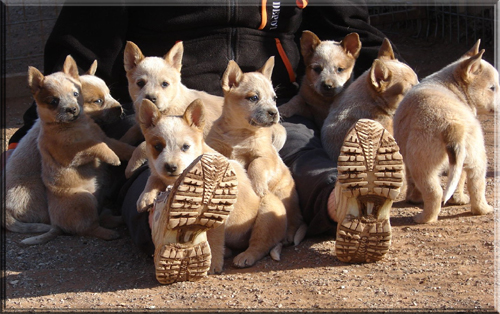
{"points": [[14, 225], [453, 138], [43, 238]]}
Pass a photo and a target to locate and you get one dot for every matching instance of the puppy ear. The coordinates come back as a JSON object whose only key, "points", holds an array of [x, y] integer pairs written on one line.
{"points": [[380, 75], [195, 115], [351, 44], [148, 114], [35, 79], [308, 43], [232, 76], [174, 56], [70, 68], [471, 67], [93, 68], [132, 56], [385, 51], [473, 51], [267, 69]]}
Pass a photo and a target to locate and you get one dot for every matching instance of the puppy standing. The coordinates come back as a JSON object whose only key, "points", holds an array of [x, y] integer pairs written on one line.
{"points": [[374, 95], [25, 198], [72, 148], [329, 66], [436, 127], [243, 133], [174, 144]]}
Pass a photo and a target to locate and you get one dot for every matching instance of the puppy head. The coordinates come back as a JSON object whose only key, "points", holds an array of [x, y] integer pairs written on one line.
{"points": [[480, 80], [97, 100], [153, 78], [250, 97], [329, 64], [173, 142], [58, 95], [389, 78]]}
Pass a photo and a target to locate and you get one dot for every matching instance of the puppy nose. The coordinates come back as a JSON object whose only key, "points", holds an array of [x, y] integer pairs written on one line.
{"points": [[170, 168], [71, 110], [152, 98], [327, 86], [272, 113]]}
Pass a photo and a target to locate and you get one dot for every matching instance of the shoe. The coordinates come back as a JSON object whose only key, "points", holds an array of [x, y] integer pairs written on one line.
{"points": [[201, 198], [370, 176]]}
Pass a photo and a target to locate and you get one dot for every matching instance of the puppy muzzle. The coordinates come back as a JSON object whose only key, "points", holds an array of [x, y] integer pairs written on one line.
{"points": [[265, 117]]}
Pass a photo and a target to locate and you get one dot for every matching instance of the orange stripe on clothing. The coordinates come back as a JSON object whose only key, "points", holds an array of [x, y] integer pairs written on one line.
{"points": [[12, 146], [302, 3], [263, 14], [284, 57]]}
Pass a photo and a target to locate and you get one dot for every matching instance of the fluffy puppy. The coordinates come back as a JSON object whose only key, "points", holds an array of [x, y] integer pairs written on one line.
{"points": [[329, 67], [437, 129], [374, 95]]}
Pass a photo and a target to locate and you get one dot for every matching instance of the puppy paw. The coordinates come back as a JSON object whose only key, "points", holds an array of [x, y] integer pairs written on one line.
{"points": [[145, 201], [114, 161], [423, 219], [286, 111], [216, 267], [482, 210], [459, 199], [244, 259]]}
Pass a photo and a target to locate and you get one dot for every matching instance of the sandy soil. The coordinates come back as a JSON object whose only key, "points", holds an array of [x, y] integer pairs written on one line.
{"points": [[446, 266]]}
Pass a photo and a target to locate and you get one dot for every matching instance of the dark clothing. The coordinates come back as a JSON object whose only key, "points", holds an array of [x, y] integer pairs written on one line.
{"points": [[212, 35]]}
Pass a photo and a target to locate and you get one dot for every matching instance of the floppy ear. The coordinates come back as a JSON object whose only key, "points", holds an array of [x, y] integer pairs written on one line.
{"points": [[70, 68], [379, 75], [132, 56], [473, 51], [195, 115], [93, 68], [351, 44], [267, 69], [232, 76], [174, 56], [308, 43], [385, 51], [148, 114], [471, 67], [35, 79]]}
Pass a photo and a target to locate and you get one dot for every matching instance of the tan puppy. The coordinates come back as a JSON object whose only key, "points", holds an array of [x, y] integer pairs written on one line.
{"points": [[437, 129], [374, 95], [329, 66], [72, 147], [173, 143], [243, 133], [25, 197]]}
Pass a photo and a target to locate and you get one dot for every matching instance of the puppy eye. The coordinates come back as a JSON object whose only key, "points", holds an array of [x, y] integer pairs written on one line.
{"points": [[185, 147], [340, 70], [98, 101], [54, 101], [141, 83], [164, 84], [317, 69], [253, 98], [158, 147], [76, 94]]}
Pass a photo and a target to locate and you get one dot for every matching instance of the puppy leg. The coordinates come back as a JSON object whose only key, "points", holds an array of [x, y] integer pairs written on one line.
{"points": [[296, 228], [269, 229], [133, 135], [413, 194], [295, 106], [279, 136], [139, 157], [123, 150], [153, 187], [476, 185], [459, 197], [429, 184], [216, 240]]}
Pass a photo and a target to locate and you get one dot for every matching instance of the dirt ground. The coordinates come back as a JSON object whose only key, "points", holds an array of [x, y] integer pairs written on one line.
{"points": [[448, 266]]}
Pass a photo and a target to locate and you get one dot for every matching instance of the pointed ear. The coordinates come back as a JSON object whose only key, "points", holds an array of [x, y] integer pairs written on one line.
{"points": [[93, 68], [473, 51], [132, 56], [174, 56], [385, 51], [148, 114], [35, 79], [267, 69], [308, 43], [232, 76], [351, 44], [195, 115], [70, 68], [379, 75], [471, 67]]}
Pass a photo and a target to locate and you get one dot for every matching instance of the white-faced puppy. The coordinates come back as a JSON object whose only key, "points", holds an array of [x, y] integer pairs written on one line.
{"points": [[72, 147], [254, 226], [437, 129], [374, 95], [243, 133], [329, 67], [26, 208]]}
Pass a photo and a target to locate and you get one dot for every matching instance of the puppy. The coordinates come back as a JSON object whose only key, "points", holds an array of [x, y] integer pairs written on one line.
{"points": [[329, 68], [72, 148], [437, 129], [255, 225], [243, 133], [374, 95], [159, 80], [25, 197]]}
